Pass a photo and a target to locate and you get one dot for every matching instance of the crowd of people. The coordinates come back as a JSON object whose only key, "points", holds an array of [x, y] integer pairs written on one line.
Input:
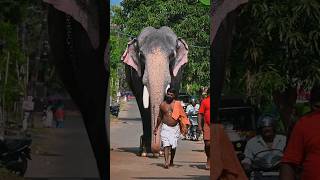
{"points": [[53, 112]]}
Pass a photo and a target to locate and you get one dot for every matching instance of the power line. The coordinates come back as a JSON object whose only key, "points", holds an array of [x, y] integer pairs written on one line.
{"points": [[131, 36]]}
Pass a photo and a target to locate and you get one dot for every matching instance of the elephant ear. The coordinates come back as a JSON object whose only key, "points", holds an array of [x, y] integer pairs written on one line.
{"points": [[181, 55], [85, 12], [130, 56]]}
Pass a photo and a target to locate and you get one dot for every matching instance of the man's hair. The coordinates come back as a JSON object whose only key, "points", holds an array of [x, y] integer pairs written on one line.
{"points": [[172, 90], [315, 95]]}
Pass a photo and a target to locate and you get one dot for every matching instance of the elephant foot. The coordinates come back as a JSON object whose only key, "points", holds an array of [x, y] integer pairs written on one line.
{"points": [[156, 155], [143, 154]]}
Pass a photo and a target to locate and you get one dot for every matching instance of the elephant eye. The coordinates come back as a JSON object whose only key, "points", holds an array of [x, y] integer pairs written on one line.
{"points": [[172, 55]]}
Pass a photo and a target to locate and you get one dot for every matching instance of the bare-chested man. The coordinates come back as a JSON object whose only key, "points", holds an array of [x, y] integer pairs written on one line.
{"points": [[170, 130]]}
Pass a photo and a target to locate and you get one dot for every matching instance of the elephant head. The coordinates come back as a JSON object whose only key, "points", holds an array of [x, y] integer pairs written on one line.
{"points": [[157, 56]]}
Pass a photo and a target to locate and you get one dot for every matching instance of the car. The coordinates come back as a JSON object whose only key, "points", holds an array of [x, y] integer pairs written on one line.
{"points": [[239, 120]]}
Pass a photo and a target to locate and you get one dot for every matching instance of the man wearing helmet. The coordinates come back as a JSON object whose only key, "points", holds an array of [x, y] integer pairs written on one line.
{"points": [[267, 139]]}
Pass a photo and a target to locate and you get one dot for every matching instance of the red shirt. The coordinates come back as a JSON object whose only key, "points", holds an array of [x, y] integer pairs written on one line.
{"points": [[304, 146], [59, 114], [205, 109]]}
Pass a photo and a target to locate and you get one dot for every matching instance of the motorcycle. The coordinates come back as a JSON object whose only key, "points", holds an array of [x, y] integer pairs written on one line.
{"points": [[193, 133], [266, 165], [114, 110], [14, 155]]}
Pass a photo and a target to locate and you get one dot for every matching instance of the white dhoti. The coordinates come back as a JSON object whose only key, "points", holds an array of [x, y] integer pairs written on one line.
{"points": [[170, 135]]}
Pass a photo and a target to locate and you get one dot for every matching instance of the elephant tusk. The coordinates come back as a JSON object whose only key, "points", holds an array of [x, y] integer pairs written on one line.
{"points": [[167, 88], [145, 97]]}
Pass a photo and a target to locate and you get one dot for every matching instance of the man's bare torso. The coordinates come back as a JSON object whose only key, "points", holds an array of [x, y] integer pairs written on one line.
{"points": [[166, 114]]}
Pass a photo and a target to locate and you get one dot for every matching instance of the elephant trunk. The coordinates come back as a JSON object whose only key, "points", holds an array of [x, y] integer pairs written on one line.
{"points": [[157, 78]]}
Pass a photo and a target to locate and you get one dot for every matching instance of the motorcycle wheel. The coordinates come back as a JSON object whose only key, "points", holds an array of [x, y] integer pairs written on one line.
{"points": [[24, 167]]}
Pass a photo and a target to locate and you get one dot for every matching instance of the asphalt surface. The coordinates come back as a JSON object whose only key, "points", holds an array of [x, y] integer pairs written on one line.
{"points": [[125, 164], [64, 154]]}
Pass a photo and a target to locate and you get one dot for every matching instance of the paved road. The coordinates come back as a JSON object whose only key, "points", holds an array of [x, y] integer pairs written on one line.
{"points": [[64, 153], [125, 164]]}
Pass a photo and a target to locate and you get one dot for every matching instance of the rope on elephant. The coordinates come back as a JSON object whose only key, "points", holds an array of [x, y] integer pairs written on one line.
{"points": [[131, 36]]}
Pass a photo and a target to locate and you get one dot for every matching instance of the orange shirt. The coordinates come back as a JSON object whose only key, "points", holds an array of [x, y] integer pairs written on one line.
{"points": [[205, 109], [178, 113], [304, 146]]}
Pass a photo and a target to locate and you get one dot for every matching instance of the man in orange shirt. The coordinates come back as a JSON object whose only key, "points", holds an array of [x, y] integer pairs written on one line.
{"points": [[204, 113], [303, 149]]}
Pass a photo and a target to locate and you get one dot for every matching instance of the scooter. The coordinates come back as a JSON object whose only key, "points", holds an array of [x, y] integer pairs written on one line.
{"points": [[14, 155], [266, 165]]}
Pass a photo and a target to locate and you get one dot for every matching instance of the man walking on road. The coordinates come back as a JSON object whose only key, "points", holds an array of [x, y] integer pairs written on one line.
{"points": [[204, 113], [171, 112]]}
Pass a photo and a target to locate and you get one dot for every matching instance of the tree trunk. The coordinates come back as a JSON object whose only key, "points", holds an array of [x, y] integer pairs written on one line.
{"points": [[285, 102]]}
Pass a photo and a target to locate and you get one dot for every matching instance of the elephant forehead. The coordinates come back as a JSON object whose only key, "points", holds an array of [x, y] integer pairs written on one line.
{"points": [[164, 42], [156, 54]]}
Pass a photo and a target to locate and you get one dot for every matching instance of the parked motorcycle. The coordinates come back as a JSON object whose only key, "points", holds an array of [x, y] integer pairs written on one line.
{"points": [[114, 110], [14, 155], [193, 133], [266, 165]]}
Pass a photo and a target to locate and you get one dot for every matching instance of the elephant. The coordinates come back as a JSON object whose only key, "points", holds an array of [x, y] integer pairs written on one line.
{"points": [[154, 61], [78, 35]]}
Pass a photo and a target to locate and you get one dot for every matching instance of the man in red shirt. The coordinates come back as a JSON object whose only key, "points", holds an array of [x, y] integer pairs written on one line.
{"points": [[303, 149], [204, 112]]}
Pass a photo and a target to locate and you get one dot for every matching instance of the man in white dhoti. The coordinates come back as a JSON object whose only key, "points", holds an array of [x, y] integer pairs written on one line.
{"points": [[170, 135], [170, 129]]}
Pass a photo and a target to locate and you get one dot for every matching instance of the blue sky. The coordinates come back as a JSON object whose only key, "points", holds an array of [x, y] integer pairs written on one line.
{"points": [[115, 2]]}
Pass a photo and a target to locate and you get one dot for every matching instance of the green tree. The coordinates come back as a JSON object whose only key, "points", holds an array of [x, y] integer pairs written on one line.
{"points": [[276, 50]]}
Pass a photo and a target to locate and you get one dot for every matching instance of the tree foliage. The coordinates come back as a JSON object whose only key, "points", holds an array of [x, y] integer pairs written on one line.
{"points": [[188, 19], [277, 43]]}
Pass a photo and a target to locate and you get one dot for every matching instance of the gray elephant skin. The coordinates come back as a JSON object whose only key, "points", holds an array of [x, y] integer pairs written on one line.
{"points": [[154, 61]]}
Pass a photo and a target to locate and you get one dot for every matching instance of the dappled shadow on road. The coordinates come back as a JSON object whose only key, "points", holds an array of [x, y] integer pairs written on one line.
{"points": [[162, 165], [199, 166], [134, 150], [49, 154], [197, 150], [130, 119], [191, 162], [196, 177]]}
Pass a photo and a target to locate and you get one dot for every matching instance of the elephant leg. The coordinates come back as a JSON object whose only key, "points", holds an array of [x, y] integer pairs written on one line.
{"points": [[86, 79], [135, 84]]}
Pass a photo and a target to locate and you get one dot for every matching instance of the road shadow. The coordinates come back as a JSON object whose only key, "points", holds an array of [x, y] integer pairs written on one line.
{"points": [[129, 119], [191, 162], [199, 166], [133, 150], [196, 177], [48, 154], [197, 150], [162, 165]]}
